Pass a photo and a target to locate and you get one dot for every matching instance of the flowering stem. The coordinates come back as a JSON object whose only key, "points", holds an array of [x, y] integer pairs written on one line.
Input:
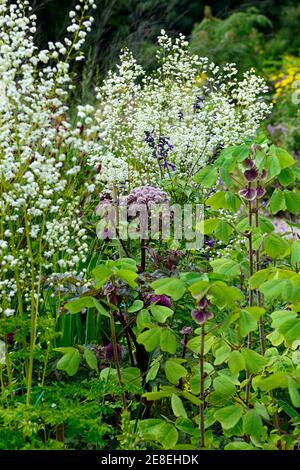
{"points": [[202, 378], [116, 356], [143, 255], [251, 271], [258, 294]]}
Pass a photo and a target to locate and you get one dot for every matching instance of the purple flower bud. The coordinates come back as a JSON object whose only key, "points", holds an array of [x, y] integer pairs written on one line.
{"points": [[201, 316], [248, 193], [186, 330], [249, 163], [163, 300], [251, 175], [109, 352], [263, 175], [10, 338], [260, 192], [112, 293], [202, 303]]}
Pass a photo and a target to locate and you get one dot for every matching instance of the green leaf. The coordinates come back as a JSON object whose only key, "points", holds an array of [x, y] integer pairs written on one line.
{"points": [[275, 246], [136, 306], [159, 431], [275, 289], [226, 266], [290, 330], [127, 276], [236, 362], [285, 159], [277, 201], [223, 295], [252, 424], [161, 313], [223, 231], [239, 445], [217, 200], [101, 274], [91, 359], [265, 225], [294, 392], [174, 371], [276, 380], [261, 409], [125, 263], [279, 317], [150, 338], [69, 362], [241, 152], [102, 310], [199, 288], [185, 425], [254, 361], [273, 166], [288, 409], [177, 407], [152, 372], [247, 323], [295, 253], [77, 305], [292, 200], [132, 375], [221, 354], [286, 177], [143, 319], [169, 436], [233, 201], [224, 386], [256, 312], [210, 225], [153, 396], [258, 278], [207, 177], [168, 341], [192, 398], [229, 416], [171, 286]]}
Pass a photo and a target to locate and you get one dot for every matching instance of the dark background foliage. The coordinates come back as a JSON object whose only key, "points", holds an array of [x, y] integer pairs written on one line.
{"points": [[136, 24]]}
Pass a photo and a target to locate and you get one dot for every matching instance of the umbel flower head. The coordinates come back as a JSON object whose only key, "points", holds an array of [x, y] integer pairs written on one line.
{"points": [[147, 195]]}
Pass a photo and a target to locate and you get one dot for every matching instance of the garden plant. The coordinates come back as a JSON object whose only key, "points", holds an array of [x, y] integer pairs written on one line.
{"points": [[147, 342]]}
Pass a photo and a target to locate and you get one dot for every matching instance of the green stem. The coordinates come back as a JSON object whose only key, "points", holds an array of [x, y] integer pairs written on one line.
{"points": [[8, 365]]}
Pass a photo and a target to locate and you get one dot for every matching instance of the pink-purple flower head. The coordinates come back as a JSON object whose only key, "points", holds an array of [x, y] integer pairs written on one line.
{"points": [[147, 195]]}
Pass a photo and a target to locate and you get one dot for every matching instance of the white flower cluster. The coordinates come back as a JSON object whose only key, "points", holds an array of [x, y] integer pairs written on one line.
{"points": [[40, 155], [153, 126]]}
